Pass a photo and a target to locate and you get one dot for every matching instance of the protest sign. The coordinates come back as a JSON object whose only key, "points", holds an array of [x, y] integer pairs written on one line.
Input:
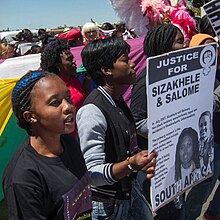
{"points": [[180, 88], [212, 10]]}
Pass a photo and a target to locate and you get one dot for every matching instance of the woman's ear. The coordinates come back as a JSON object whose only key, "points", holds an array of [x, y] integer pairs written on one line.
{"points": [[106, 71], [29, 117]]}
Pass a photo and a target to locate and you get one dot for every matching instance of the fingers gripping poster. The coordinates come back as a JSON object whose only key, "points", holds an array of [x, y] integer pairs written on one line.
{"points": [[180, 102]]}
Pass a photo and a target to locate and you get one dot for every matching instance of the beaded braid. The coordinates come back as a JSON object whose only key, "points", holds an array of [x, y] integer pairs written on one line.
{"points": [[21, 96], [160, 39]]}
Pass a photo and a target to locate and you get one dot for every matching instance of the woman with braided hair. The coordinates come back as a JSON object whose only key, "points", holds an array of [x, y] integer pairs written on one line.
{"points": [[159, 40], [47, 172]]}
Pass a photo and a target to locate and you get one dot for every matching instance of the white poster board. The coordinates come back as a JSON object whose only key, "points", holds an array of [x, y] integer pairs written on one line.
{"points": [[180, 102], [212, 9]]}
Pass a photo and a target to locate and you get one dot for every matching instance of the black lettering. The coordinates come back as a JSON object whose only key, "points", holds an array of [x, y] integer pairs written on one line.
{"points": [[168, 98], [163, 88], [157, 200], [154, 91]]}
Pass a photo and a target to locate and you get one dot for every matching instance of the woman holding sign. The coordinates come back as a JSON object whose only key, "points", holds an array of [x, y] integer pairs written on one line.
{"points": [[159, 40], [108, 136]]}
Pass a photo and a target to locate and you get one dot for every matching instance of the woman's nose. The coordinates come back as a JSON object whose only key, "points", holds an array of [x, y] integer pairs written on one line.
{"points": [[131, 64], [68, 106]]}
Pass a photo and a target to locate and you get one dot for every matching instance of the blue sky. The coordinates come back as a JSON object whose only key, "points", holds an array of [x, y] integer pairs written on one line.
{"points": [[34, 14]]}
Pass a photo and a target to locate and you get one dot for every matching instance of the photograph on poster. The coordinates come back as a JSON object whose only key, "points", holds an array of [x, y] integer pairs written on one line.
{"points": [[180, 119], [206, 143]]}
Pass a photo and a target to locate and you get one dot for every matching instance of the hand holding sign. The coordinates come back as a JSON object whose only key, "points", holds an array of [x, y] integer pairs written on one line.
{"points": [[145, 162]]}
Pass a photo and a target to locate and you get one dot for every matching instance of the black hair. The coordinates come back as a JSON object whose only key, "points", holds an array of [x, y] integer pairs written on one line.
{"points": [[34, 49], [21, 96], [107, 26], [19, 36], [193, 134], [206, 113], [160, 39], [197, 20], [102, 53], [205, 26], [41, 31], [26, 32], [51, 55], [116, 32]]}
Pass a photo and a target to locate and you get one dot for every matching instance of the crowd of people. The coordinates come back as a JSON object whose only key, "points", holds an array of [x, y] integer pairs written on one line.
{"points": [[86, 155], [26, 42]]}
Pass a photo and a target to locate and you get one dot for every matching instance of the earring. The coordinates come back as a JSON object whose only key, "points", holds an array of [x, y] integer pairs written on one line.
{"points": [[33, 120]]}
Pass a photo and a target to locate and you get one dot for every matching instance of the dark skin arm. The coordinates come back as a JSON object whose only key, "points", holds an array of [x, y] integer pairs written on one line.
{"points": [[140, 161]]}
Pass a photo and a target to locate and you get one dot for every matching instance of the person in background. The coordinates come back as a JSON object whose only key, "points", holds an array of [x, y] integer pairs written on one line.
{"points": [[205, 26], [35, 49], [197, 20], [159, 40], [6, 51], [107, 135], [47, 172], [133, 34], [19, 37], [44, 37], [74, 37], [90, 32], [27, 35], [123, 29], [58, 59], [199, 194], [28, 40], [117, 33], [107, 26], [106, 29], [185, 21]]}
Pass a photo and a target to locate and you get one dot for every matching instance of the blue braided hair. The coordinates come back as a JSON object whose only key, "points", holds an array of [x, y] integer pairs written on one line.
{"points": [[21, 96]]}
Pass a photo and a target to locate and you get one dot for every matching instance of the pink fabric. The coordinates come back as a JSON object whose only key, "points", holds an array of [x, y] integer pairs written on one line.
{"points": [[76, 51], [139, 59], [1, 61]]}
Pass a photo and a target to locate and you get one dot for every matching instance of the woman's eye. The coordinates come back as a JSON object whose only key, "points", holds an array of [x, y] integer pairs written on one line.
{"points": [[55, 103], [180, 41], [126, 60], [68, 99]]}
